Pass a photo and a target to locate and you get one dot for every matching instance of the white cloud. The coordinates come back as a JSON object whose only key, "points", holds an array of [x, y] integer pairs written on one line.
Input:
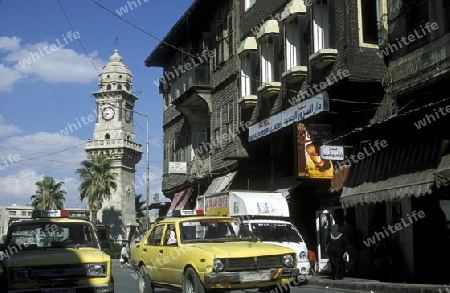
{"points": [[58, 156], [9, 77], [18, 188], [9, 44], [48, 62], [7, 129]]}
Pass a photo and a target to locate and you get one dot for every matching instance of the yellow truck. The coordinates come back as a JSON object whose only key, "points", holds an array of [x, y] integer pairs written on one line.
{"points": [[54, 253]]}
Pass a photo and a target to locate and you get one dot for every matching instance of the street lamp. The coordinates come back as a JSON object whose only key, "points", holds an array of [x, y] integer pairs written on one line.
{"points": [[147, 179]]}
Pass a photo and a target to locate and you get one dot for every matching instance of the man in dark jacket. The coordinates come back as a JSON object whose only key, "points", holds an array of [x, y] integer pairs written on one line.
{"points": [[336, 248]]}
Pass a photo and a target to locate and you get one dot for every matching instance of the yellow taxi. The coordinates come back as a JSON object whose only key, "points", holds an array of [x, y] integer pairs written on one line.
{"points": [[52, 253], [194, 253]]}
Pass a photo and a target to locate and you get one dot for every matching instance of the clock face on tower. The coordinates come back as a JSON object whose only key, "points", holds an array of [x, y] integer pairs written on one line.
{"points": [[108, 113]]}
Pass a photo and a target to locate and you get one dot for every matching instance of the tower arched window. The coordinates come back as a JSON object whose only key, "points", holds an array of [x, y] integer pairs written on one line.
{"points": [[119, 86], [108, 87], [107, 136]]}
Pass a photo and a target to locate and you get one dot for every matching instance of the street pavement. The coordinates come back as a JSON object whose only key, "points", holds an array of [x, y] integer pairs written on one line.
{"points": [[125, 282], [366, 285]]}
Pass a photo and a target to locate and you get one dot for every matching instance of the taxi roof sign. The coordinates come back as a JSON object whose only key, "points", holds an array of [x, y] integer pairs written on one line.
{"points": [[50, 214], [181, 213]]}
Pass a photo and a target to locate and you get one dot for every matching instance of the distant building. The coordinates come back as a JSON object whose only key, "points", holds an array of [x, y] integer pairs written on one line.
{"points": [[12, 213]]}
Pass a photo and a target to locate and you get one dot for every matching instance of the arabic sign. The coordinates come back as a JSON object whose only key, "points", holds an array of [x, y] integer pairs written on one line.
{"points": [[328, 152], [299, 112], [309, 162], [177, 167], [265, 127]]}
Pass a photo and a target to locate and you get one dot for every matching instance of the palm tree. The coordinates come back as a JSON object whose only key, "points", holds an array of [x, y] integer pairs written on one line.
{"points": [[140, 211], [49, 195], [97, 180]]}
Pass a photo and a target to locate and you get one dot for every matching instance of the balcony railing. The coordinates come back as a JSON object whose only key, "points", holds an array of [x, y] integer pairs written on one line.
{"points": [[196, 77], [113, 143]]}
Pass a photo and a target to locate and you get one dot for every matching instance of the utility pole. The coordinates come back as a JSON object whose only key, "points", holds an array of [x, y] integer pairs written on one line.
{"points": [[147, 179]]}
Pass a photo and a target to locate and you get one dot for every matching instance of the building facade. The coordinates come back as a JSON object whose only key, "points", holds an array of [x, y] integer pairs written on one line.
{"points": [[401, 191], [114, 139], [283, 79]]}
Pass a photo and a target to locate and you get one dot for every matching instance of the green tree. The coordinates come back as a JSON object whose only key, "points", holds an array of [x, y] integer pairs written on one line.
{"points": [[139, 205], [97, 181], [49, 195]]}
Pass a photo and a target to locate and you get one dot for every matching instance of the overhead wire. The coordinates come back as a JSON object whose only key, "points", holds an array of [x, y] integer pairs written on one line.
{"points": [[79, 39], [162, 41]]}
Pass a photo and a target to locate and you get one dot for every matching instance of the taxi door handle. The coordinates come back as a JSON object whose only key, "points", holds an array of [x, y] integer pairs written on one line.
{"points": [[145, 249], [161, 251]]}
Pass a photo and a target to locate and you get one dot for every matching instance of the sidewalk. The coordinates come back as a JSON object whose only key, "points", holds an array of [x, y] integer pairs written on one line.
{"points": [[375, 286]]}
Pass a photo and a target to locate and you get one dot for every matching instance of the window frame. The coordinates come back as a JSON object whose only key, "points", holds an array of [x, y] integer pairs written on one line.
{"points": [[248, 4], [382, 24]]}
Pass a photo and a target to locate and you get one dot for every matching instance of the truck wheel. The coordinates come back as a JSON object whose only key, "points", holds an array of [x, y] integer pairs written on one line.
{"points": [[144, 282], [192, 283]]}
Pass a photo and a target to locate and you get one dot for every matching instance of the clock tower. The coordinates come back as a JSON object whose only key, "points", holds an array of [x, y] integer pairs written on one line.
{"points": [[114, 139]]}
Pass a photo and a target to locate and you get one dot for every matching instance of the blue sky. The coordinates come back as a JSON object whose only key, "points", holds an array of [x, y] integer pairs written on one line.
{"points": [[65, 43]]}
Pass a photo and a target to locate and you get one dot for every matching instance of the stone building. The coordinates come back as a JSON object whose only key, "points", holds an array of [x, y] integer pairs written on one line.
{"points": [[114, 139], [402, 190], [283, 79]]}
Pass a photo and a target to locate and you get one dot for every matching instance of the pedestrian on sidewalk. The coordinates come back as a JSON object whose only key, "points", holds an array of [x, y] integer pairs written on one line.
{"points": [[336, 248], [124, 256]]}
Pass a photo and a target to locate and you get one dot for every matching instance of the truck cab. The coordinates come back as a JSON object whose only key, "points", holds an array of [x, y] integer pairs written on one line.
{"points": [[54, 253]]}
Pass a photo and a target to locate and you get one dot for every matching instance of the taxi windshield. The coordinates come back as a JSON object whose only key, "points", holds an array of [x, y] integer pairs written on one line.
{"points": [[28, 236], [215, 230]]}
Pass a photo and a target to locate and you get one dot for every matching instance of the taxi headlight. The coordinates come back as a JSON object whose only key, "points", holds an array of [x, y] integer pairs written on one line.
{"points": [[218, 265], [302, 255], [96, 270], [288, 261]]}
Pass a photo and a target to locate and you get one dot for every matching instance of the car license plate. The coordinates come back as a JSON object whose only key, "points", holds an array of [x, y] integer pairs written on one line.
{"points": [[254, 277], [59, 290]]}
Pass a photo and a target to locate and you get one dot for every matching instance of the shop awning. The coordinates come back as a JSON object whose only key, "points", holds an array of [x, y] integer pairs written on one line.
{"points": [[442, 176], [405, 167], [220, 184], [179, 200], [285, 185], [406, 185]]}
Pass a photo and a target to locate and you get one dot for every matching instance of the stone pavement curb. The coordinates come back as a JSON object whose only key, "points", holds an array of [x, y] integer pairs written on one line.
{"points": [[376, 286]]}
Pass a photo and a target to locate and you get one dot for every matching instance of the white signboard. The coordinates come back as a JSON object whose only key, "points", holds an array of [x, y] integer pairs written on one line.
{"points": [[295, 113], [265, 127], [177, 167], [330, 152]]}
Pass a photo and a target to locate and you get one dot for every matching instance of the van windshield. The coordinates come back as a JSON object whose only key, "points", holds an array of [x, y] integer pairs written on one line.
{"points": [[276, 232]]}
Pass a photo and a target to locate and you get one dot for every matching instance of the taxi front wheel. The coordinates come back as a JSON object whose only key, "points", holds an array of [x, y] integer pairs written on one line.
{"points": [[192, 283], [145, 283]]}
